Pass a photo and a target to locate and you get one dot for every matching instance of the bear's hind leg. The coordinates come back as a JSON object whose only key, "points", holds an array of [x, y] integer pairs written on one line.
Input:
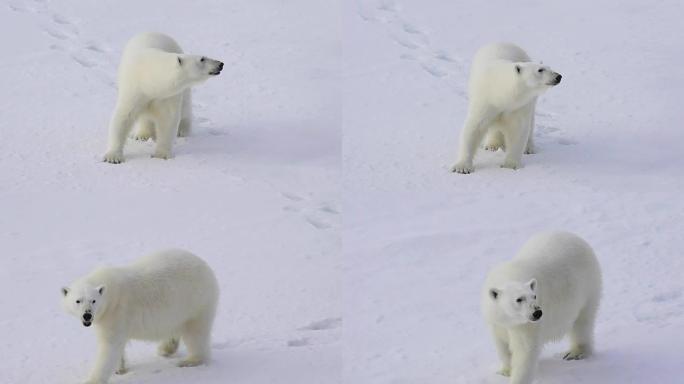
{"points": [[122, 366], [494, 140], [582, 334], [145, 130], [516, 133], [168, 347], [196, 335], [185, 125], [168, 118]]}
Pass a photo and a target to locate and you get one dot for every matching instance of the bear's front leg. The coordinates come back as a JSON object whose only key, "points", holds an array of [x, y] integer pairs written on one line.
{"points": [[524, 355], [503, 350], [109, 354], [120, 125], [530, 148], [473, 131]]}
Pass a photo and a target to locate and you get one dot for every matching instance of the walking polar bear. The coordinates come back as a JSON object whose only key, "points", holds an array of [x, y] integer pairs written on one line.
{"points": [[165, 296], [154, 92], [550, 288], [503, 90]]}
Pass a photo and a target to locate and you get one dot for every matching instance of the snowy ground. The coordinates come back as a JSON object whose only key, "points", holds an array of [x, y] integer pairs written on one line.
{"points": [[254, 191], [257, 189], [419, 240]]}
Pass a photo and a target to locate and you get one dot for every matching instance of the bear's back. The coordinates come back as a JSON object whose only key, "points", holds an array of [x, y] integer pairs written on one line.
{"points": [[152, 40], [500, 51]]}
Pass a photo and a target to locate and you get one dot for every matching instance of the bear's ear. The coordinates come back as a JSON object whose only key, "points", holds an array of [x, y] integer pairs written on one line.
{"points": [[517, 68], [494, 293], [532, 284], [100, 289], [180, 61], [65, 291]]}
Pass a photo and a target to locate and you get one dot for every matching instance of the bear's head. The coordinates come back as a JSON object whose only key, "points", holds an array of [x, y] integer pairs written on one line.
{"points": [[197, 69], [85, 301], [514, 304], [537, 77]]}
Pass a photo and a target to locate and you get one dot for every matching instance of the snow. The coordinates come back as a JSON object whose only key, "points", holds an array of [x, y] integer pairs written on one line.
{"points": [[343, 109], [254, 191], [418, 240]]}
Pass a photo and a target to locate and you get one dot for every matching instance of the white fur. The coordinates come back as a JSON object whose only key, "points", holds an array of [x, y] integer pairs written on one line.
{"points": [[554, 272], [503, 90], [154, 91], [165, 296]]}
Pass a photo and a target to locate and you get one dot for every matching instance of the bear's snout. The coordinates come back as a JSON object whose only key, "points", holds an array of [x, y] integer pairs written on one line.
{"points": [[558, 78], [87, 316], [218, 69], [536, 315]]}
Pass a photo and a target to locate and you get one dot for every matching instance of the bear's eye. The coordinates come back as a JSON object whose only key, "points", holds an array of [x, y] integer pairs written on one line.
{"points": [[534, 297], [78, 301], [202, 59], [93, 301], [520, 300], [540, 70]]}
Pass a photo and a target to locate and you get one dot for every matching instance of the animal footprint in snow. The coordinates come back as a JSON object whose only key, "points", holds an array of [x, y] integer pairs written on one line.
{"points": [[661, 307], [60, 19], [291, 196], [298, 342], [320, 325], [316, 223], [56, 33], [328, 209], [433, 70], [83, 61]]}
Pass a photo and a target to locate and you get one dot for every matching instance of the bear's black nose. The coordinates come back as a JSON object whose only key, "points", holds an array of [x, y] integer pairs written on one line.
{"points": [[220, 66], [87, 316], [558, 78], [537, 315]]}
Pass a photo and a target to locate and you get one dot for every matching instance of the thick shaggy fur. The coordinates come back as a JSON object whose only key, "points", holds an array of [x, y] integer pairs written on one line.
{"points": [[503, 90], [551, 288], [165, 296], [154, 91]]}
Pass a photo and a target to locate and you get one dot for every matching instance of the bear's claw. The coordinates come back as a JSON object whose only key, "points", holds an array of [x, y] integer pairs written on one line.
{"points": [[113, 158], [162, 155], [494, 147], [511, 165], [462, 168], [573, 355]]}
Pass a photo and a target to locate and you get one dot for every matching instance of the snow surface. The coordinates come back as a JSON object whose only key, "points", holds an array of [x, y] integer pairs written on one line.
{"points": [[254, 191], [418, 240], [257, 189]]}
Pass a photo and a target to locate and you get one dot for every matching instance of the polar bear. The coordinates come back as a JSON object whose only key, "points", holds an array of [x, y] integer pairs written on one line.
{"points": [[503, 90], [154, 83], [550, 288], [166, 296]]}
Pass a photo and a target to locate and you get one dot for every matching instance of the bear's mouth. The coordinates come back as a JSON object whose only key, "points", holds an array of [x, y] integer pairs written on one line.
{"points": [[87, 323]]}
